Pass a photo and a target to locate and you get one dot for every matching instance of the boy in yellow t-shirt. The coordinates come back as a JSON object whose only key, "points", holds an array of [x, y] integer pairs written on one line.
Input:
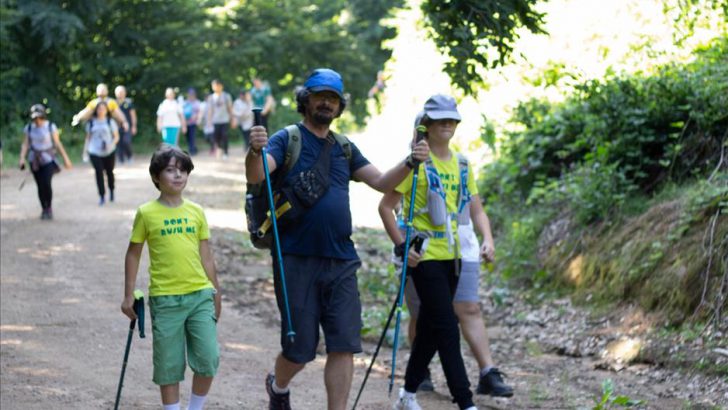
{"points": [[184, 299], [442, 197]]}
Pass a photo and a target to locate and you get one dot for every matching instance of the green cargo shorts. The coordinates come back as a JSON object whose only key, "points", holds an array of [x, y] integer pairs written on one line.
{"points": [[179, 322]]}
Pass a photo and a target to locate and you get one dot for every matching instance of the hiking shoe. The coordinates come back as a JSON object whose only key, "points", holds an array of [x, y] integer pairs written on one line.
{"points": [[277, 401], [44, 215], [492, 383], [406, 402], [426, 384], [102, 201]]}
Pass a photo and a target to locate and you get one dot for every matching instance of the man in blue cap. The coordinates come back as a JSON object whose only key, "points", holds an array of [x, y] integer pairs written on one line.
{"points": [[319, 258]]}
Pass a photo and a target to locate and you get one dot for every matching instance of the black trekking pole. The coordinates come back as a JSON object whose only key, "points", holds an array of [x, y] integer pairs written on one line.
{"points": [[272, 206], [376, 351], [139, 310], [421, 133]]}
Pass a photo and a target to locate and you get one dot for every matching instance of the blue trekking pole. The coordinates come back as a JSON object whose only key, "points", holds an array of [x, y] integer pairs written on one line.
{"points": [[421, 133], [291, 334], [139, 310]]}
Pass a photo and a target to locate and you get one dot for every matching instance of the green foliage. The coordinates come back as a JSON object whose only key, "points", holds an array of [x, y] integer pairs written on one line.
{"points": [[614, 137], [56, 52], [609, 400], [478, 35]]}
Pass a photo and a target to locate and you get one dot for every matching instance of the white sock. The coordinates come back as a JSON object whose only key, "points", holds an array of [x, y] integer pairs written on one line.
{"points": [[196, 402], [174, 406], [408, 395], [485, 370], [279, 390], [472, 408]]}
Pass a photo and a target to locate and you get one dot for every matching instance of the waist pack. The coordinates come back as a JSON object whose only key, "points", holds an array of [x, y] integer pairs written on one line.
{"points": [[293, 199]]}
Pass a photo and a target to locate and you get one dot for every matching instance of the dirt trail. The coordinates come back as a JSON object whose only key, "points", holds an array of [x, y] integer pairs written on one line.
{"points": [[62, 334]]}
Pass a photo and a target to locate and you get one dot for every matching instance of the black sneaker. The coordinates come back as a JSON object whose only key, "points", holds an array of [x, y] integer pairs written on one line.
{"points": [[426, 384], [492, 383], [277, 401]]}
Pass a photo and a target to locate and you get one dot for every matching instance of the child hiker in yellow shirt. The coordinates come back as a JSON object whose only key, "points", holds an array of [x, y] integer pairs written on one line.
{"points": [[183, 291]]}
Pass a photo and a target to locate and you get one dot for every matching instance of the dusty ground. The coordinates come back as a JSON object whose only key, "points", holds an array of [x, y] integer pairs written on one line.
{"points": [[62, 335]]}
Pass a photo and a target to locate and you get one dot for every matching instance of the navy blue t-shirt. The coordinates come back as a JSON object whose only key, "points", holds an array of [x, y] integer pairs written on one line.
{"points": [[324, 229]]}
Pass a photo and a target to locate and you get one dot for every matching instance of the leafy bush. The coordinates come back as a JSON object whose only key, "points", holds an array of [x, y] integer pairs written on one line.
{"points": [[615, 136], [608, 147]]}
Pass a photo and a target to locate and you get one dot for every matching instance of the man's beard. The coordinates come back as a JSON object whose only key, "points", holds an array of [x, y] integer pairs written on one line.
{"points": [[321, 117]]}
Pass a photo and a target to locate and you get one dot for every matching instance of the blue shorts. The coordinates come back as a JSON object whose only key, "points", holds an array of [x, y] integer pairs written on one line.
{"points": [[467, 290], [169, 135], [321, 292]]}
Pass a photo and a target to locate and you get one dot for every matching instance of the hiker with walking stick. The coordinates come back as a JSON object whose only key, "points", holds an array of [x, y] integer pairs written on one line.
{"points": [[40, 141], [442, 202], [184, 298], [318, 256]]}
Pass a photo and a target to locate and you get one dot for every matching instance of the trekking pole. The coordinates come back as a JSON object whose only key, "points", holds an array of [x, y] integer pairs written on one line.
{"points": [[25, 177], [291, 333], [421, 133], [139, 310], [376, 351]]}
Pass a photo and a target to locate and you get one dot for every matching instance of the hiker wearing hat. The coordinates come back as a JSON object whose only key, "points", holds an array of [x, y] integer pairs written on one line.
{"points": [[446, 197], [40, 144], [465, 301], [102, 95], [319, 258]]}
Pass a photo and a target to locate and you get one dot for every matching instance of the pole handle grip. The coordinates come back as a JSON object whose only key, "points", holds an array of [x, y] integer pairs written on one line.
{"points": [[257, 116], [139, 310]]}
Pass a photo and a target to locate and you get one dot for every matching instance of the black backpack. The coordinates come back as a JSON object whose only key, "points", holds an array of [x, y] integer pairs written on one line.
{"points": [[288, 207]]}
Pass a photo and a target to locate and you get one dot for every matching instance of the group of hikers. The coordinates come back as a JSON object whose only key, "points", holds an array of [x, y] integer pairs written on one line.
{"points": [[311, 167], [111, 124], [319, 258]]}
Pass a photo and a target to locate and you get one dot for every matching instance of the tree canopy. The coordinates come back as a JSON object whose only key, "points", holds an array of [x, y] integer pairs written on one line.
{"points": [[478, 35], [57, 52]]}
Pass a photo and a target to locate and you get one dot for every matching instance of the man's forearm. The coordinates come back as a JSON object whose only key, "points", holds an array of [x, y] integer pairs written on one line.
{"points": [[390, 179]]}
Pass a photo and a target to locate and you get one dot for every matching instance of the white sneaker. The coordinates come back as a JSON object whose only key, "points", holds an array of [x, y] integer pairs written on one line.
{"points": [[406, 401]]}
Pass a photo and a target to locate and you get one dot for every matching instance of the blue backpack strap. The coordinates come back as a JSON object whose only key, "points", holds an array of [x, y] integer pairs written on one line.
{"points": [[464, 196]]}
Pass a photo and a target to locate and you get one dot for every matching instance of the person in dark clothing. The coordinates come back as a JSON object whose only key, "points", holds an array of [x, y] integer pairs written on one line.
{"points": [[126, 105], [319, 258], [40, 143]]}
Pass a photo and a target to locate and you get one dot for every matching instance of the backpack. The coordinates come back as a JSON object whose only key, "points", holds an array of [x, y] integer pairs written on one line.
{"points": [[436, 206], [257, 209], [37, 154]]}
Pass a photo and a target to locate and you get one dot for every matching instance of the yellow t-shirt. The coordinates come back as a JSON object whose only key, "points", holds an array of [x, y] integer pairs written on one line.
{"points": [[110, 102], [173, 236], [449, 171]]}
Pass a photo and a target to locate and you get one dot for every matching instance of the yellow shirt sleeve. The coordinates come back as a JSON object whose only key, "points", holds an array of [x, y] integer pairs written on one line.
{"points": [[112, 104], [204, 232], [406, 184], [139, 230]]}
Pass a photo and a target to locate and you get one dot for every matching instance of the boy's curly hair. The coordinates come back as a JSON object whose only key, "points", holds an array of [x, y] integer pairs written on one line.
{"points": [[161, 158]]}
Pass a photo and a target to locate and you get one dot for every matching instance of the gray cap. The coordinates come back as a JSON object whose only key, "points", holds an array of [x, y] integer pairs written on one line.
{"points": [[442, 107]]}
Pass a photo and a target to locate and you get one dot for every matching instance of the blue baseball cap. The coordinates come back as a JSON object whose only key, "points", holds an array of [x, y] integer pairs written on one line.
{"points": [[442, 107], [325, 79]]}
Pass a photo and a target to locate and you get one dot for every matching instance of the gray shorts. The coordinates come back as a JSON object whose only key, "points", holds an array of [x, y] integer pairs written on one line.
{"points": [[321, 291], [467, 290]]}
